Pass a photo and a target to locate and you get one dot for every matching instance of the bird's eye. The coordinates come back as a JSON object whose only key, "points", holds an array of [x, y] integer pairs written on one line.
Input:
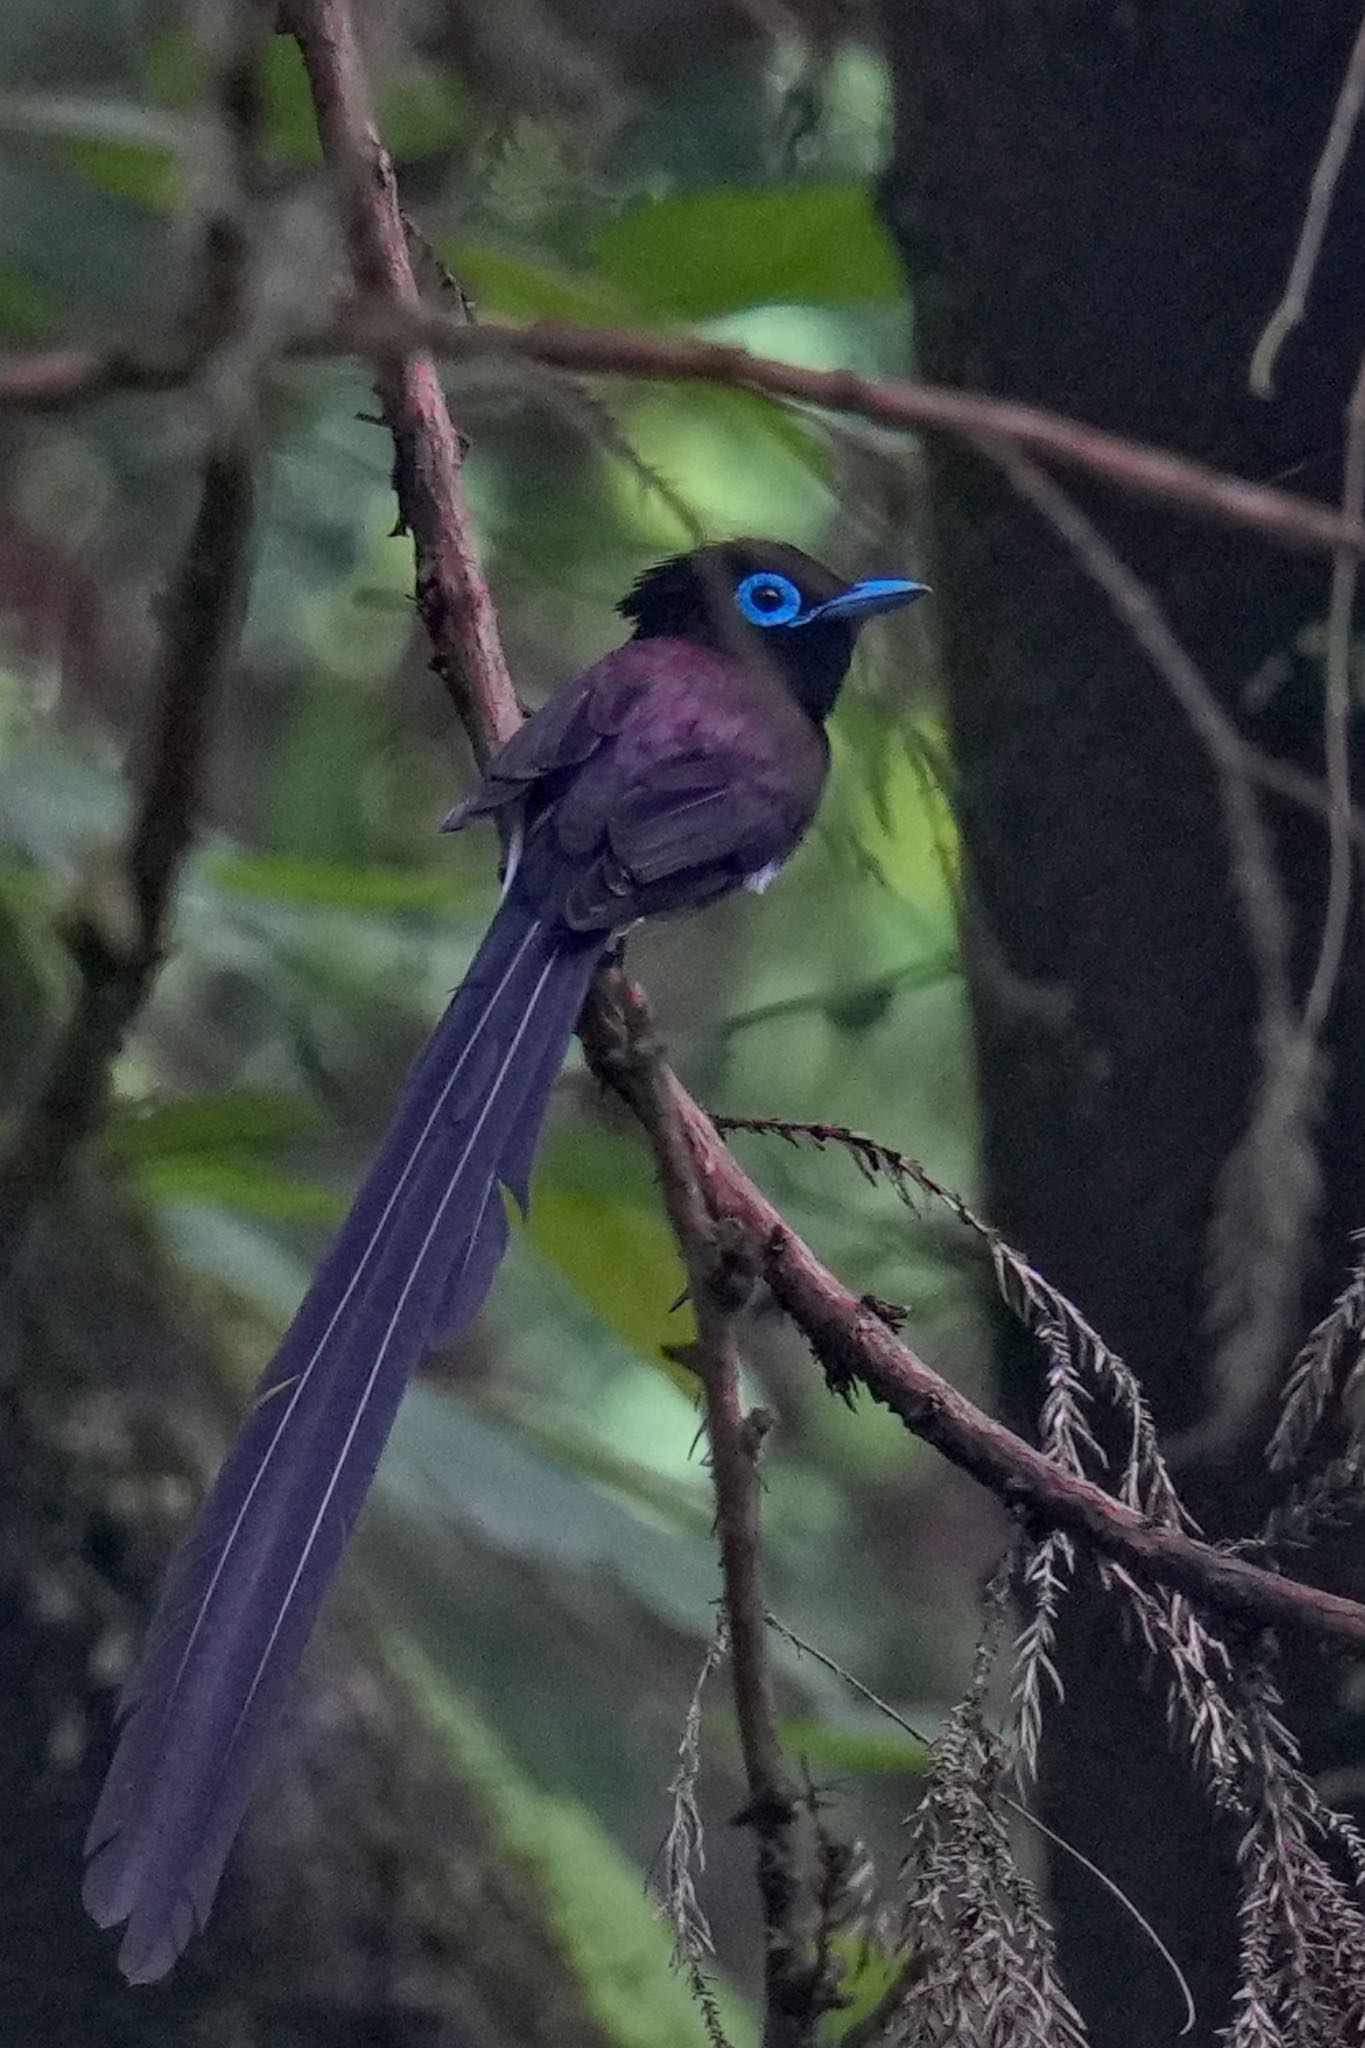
{"points": [[767, 599]]}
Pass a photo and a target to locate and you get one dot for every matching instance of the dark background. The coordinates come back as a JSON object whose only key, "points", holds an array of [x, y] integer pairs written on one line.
{"points": [[1091, 207]]}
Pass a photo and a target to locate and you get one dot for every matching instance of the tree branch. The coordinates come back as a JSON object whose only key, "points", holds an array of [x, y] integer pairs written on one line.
{"points": [[1285, 519], [1134, 467], [452, 595], [459, 619], [856, 1347]]}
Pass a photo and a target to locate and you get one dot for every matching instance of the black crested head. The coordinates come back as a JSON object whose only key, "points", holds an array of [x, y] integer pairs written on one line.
{"points": [[766, 595]]}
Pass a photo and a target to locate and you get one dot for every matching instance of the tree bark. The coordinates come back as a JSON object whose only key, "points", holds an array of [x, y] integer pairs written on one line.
{"points": [[1096, 207]]}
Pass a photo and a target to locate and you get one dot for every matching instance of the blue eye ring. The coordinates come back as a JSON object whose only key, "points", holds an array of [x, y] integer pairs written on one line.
{"points": [[767, 599]]}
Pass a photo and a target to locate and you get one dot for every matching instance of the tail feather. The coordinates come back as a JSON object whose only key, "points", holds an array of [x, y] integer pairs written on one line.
{"points": [[519, 1131], [415, 1257]]}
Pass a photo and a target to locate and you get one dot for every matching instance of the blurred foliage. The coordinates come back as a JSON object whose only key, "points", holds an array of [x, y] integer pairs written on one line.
{"points": [[620, 1958], [325, 920]]}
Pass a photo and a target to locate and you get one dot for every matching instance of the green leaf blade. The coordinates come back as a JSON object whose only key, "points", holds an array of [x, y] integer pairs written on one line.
{"points": [[697, 255]]}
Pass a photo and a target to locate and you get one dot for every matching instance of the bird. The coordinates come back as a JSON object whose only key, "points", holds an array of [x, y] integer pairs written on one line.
{"points": [[684, 764]]}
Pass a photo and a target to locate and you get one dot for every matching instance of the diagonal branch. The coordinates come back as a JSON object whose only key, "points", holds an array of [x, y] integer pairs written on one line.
{"points": [[1270, 1185], [398, 325], [856, 1347]]}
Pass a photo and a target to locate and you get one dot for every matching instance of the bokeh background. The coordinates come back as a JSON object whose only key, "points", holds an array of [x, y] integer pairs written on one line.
{"points": [[1016, 945], [534, 1584]]}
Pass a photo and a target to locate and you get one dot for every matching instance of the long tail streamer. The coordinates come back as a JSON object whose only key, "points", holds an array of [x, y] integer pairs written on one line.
{"points": [[413, 1261]]}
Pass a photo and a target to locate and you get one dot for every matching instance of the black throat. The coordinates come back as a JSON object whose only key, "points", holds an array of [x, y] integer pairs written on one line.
{"points": [[691, 597]]}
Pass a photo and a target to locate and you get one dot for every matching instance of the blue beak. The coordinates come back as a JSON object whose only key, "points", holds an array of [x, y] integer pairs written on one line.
{"points": [[873, 594]]}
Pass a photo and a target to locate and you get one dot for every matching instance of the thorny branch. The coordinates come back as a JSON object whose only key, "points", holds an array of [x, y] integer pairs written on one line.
{"points": [[459, 619], [857, 1347], [118, 942], [452, 595], [683, 1856], [970, 1919]]}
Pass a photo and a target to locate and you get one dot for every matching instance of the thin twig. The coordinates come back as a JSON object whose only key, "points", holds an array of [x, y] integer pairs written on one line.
{"points": [[1337, 708], [1320, 1371], [1070, 1341], [458, 615], [988, 1957], [1326, 175], [1336, 721], [1262, 899], [1271, 1183], [1016, 1807], [683, 1855], [118, 949]]}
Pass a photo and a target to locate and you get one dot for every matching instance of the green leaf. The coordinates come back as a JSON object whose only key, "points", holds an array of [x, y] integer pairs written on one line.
{"points": [[608, 1932], [511, 287], [674, 1501], [244, 1118], [145, 172], [291, 878], [866, 1974], [742, 462], [422, 114], [449, 1465], [218, 1243], [699, 254], [172, 74], [25, 309], [879, 1751], [595, 1215], [417, 115], [902, 822], [256, 1190], [173, 77], [129, 151], [291, 125], [73, 117]]}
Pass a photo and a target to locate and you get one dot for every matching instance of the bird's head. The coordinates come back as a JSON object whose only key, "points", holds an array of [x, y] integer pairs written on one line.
{"points": [[766, 596]]}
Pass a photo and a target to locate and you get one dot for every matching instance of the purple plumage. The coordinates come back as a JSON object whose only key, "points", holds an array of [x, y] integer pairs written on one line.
{"points": [[681, 765], [415, 1258]]}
